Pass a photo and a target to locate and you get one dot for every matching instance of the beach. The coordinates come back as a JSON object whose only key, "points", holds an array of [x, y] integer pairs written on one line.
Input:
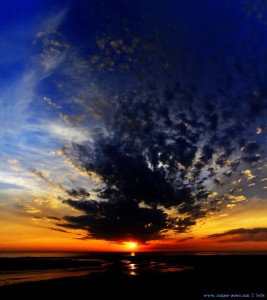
{"points": [[199, 277]]}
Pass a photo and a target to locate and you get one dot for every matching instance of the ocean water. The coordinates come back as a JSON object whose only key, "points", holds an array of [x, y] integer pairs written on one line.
{"points": [[139, 254], [29, 267]]}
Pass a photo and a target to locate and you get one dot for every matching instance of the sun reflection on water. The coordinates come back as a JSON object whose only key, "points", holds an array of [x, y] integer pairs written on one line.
{"points": [[132, 268]]}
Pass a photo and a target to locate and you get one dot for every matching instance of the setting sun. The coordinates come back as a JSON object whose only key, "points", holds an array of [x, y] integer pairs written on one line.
{"points": [[130, 245]]}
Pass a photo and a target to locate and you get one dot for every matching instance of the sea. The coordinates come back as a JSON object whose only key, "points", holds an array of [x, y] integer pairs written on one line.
{"points": [[23, 267]]}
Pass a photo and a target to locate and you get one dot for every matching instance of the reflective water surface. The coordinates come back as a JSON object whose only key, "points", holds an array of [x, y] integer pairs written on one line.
{"points": [[29, 267]]}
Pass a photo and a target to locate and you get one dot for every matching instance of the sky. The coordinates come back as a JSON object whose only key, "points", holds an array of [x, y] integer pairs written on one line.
{"points": [[127, 122]]}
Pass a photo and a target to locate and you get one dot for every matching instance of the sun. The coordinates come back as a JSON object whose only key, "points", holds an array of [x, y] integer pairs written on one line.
{"points": [[130, 245]]}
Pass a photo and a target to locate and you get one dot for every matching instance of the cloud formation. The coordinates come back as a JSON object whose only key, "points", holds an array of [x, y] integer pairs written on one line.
{"points": [[48, 182], [242, 235], [163, 122], [178, 129]]}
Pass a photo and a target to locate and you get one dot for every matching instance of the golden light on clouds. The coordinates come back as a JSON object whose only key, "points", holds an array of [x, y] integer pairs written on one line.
{"points": [[259, 130], [248, 174]]}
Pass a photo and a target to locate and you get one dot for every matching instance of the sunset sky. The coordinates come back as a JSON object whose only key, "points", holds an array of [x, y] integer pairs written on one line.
{"points": [[133, 121]]}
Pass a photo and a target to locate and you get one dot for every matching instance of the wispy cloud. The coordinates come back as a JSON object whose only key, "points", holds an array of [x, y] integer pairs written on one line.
{"points": [[51, 103], [60, 230], [15, 102], [242, 235], [40, 175], [28, 208], [53, 20], [66, 133], [21, 181]]}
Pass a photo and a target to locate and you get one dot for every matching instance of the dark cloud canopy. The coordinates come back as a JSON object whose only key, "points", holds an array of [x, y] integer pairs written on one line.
{"points": [[181, 121], [118, 220]]}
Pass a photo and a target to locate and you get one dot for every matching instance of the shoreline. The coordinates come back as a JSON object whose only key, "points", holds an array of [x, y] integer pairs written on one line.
{"points": [[241, 275]]}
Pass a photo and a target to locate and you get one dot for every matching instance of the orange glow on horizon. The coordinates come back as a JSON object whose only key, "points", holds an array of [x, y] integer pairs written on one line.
{"points": [[57, 244], [35, 235], [130, 245]]}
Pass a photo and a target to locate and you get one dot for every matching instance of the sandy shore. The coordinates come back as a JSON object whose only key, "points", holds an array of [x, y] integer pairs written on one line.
{"points": [[244, 276]]}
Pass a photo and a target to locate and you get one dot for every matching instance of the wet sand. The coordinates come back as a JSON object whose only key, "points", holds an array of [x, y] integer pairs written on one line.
{"points": [[216, 277]]}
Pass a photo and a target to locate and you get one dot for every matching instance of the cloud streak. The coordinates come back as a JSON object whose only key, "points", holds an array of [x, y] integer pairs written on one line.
{"points": [[241, 235]]}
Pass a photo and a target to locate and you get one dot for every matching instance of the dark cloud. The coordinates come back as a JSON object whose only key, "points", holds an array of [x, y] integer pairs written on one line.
{"points": [[242, 235], [252, 158], [117, 220], [83, 238], [251, 147], [228, 173], [185, 239], [60, 230], [80, 193], [53, 218], [175, 130]]}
